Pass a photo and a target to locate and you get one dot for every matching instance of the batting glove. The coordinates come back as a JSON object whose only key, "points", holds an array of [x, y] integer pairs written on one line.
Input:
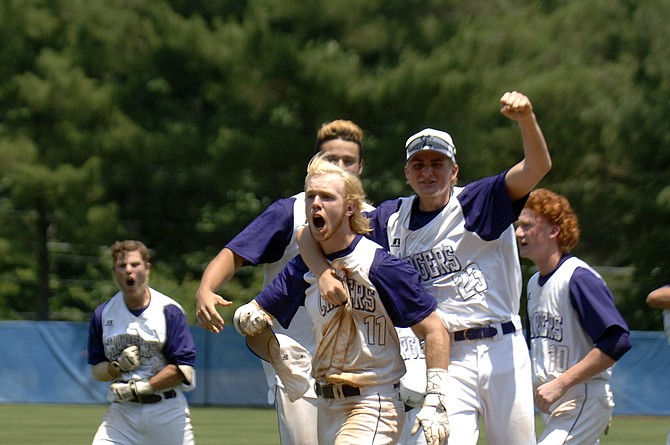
{"points": [[432, 416], [250, 319], [125, 392], [128, 360]]}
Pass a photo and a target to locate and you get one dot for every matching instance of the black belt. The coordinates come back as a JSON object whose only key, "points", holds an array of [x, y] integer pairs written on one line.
{"points": [[154, 398], [483, 332], [329, 391]]}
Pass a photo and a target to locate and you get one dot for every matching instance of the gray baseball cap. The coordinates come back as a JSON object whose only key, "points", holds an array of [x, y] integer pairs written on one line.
{"points": [[431, 139]]}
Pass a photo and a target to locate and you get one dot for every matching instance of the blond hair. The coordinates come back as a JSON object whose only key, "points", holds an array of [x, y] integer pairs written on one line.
{"points": [[353, 190]]}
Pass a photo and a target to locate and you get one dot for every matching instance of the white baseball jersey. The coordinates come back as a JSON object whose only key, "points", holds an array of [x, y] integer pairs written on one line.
{"points": [[467, 259], [466, 254], [384, 293], [160, 331], [162, 334], [568, 311]]}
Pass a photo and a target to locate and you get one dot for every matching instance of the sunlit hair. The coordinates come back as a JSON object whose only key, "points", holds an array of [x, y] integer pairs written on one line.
{"points": [[353, 190], [340, 129], [121, 248], [556, 210]]}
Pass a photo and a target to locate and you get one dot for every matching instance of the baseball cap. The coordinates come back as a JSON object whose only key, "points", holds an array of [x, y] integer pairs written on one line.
{"points": [[431, 139]]}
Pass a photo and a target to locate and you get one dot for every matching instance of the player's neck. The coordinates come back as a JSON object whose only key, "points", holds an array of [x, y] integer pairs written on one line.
{"points": [[138, 300], [547, 264], [337, 243], [431, 203]]}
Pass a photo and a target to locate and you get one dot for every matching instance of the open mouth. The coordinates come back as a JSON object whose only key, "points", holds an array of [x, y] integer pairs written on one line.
{"points": [[130, 282], [318, 221]]}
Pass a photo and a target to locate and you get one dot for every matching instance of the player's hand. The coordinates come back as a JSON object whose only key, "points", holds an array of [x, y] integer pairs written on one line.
{"points": [[432, 416], [250, 319], [515, 106], [125, 392], [128, 360], [332, 288], [206, 302], [547, 394]]}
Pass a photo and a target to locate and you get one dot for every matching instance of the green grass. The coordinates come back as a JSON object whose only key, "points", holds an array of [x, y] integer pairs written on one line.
{"points": [[27, 424]]}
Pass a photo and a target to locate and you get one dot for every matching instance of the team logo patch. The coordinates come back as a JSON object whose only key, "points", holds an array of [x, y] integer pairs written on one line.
{"points": [[396, 242], [109, 323]]}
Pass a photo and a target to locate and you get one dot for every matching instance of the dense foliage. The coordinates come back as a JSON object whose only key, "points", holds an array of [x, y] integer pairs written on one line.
{"points": [[176, 122]]}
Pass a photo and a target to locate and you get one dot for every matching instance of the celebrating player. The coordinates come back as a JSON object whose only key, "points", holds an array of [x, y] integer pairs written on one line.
{"points": [[140, 341], [576, 331], [357, 362], [461, 240], [270, 240]]}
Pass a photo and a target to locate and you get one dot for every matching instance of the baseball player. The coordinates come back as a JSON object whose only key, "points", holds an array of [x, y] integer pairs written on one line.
{"points": [[461, 241], [357, 363], [660, 299], [576, 332], [270, 240], [140, 341]]}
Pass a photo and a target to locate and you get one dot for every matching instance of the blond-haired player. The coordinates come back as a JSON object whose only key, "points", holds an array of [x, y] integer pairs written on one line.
{"points": [[357, 363]]}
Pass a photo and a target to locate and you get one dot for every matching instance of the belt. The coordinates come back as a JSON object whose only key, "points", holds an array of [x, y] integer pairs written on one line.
{"points": [[483, 332], [154, 398], [331, 391], [336, 391]]}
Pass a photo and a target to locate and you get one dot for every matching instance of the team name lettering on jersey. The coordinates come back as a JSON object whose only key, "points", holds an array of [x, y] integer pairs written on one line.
{"points": [[545, 325], [411, 348], [434, 263], [362, 298]]}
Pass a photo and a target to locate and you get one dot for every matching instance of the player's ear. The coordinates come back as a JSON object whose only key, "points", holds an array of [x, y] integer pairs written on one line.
{"points": [[351, 208]]}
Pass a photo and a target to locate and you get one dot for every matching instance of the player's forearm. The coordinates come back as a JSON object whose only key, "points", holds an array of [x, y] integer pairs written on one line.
{"points": [[104, 372], [536, 152], [220, 270], [525, 175], [659, 298], [311, 252], [168, 377], [591, 365], [437, 341]]}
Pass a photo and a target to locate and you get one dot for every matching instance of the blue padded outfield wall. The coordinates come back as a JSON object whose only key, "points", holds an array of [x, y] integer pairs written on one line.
{"points": [[45, 362]]}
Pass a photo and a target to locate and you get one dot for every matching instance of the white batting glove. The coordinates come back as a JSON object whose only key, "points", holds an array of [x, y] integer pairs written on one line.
{"points": [[432, 416], [125, 392], [128, 360], [250, 319]]}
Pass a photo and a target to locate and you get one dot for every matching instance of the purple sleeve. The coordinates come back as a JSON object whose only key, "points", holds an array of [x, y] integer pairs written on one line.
{"points": [[487, 208], [594, 302], [379, 219], [265, 239], [286, 293], [96, 350], [400, 289], [179, 346]]}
